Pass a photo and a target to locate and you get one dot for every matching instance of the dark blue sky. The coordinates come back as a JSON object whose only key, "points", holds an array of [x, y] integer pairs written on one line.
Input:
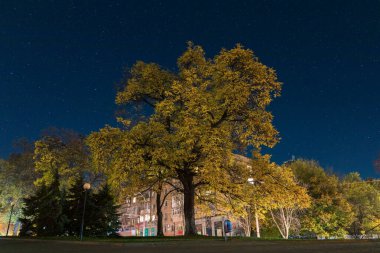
{"points": [[60, 61]]}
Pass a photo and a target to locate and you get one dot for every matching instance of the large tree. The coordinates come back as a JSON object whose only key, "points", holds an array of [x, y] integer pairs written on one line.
{"points": [[206, 110]]}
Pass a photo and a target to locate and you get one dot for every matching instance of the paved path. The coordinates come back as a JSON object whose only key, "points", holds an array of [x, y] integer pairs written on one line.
{"points": [[206, 246]]}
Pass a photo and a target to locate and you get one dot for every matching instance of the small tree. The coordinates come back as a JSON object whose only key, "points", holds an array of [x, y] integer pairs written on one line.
{"points": [[287, 201]]}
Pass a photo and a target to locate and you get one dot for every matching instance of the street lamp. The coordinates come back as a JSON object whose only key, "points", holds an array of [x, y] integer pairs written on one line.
{"points": [[10, 201], [86, 187]]}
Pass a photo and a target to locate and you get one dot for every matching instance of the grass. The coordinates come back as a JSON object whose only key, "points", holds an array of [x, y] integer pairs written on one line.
{"points": [[131, 239], [153, 239]]}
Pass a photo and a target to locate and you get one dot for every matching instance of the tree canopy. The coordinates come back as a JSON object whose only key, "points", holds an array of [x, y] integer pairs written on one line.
{"points": [[60, 152], [330, 213], [203, 112]]}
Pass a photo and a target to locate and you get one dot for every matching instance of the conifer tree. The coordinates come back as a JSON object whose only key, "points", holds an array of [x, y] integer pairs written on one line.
{"points": [[103, 213], [43, 214], [100, 219]]}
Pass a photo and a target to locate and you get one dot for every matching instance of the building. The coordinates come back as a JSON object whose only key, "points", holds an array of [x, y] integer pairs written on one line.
{"points": [[138, 215]]}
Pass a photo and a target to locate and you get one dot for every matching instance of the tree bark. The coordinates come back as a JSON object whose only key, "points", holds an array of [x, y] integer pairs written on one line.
{"points": [[160, 230], [257, 223], [247, 222], [189, 212]]}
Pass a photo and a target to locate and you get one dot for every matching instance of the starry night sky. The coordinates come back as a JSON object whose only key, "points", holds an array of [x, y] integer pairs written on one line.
{"points": [[60, 62]]}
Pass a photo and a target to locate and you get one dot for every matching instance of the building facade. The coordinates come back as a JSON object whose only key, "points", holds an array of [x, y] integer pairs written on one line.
{"points": [[138, 217]]}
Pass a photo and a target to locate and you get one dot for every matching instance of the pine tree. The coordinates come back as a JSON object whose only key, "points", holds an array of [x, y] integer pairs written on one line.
{"points": [[43, 212], [100, 219], [74, 207], [103, 213]]}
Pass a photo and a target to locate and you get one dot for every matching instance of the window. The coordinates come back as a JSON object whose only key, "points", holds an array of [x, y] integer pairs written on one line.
{"points": [[134, 200]]}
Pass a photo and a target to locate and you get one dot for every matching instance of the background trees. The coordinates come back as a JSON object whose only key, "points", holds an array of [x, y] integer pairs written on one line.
{"points": [[61, 161], [17, 175], [330, 213], [278, 193], [51, 211], [60, 152], [365, 202], [43, 212]]}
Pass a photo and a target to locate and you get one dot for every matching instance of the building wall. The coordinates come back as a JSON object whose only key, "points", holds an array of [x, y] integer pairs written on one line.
{"points": [[138, 214]]}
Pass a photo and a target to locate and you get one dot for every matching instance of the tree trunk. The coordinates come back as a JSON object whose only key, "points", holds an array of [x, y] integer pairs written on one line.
{"points": [[160, 230], [189, 195], [247, 222], [257, 223], [286, 232]]}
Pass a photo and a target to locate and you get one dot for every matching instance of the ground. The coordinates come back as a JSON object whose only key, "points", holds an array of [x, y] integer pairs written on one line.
{"points": [[189, 246]]}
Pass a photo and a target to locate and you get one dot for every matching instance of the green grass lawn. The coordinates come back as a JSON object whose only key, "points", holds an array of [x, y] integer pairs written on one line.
{"points": [[182, 245], [140, 239]]}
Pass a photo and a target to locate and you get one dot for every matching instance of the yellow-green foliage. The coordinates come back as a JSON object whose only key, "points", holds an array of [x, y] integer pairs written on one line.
{"points": [[65, 156], [330, 213], [200, 115], [365, 201]]}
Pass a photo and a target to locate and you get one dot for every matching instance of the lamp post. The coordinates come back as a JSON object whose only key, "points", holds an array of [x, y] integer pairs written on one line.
{"points": [[10, 200], [86, 187]]}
